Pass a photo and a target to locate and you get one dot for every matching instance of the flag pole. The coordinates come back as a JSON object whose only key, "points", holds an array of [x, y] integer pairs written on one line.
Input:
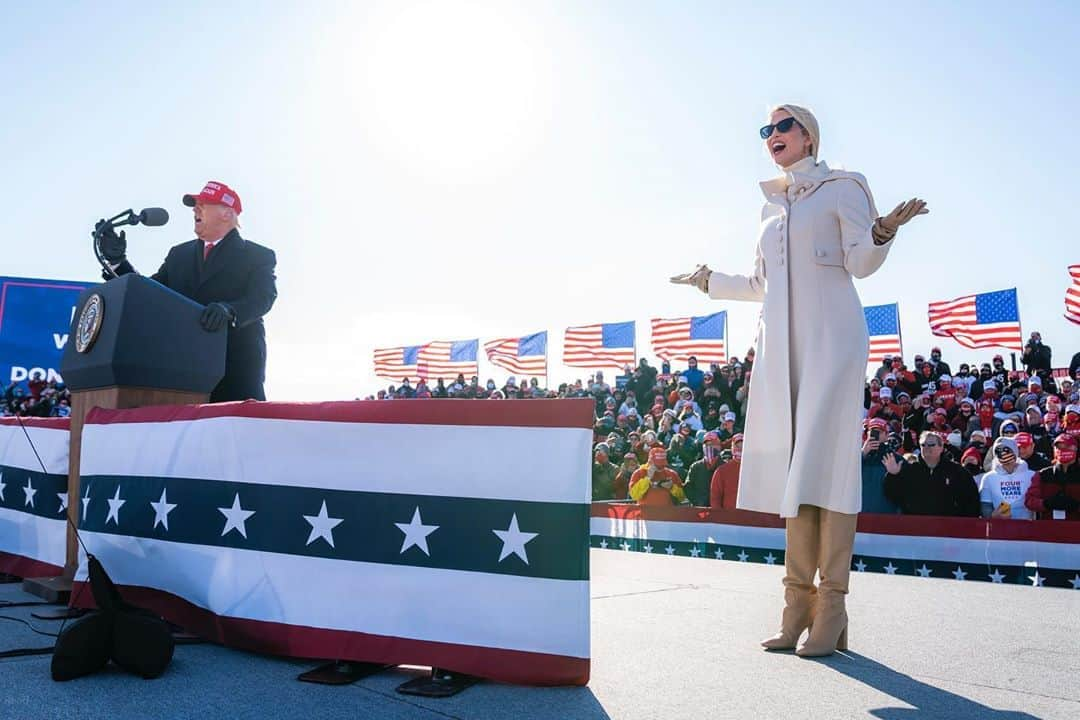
{"points": [[547, 363], [899, 330]]}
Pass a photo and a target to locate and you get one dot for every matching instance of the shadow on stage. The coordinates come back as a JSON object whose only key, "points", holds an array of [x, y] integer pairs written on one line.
{"points": [[927, 701]]}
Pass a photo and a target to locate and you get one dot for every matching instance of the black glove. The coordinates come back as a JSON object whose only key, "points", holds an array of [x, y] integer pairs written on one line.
{"points": [[113, 246], [1061, 501], [216, 316]]}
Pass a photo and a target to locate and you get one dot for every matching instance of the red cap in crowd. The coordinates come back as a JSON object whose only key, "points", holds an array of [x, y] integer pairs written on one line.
{"points": [[215, 193], [1065, 440], [971, 453], [1024, 439]]}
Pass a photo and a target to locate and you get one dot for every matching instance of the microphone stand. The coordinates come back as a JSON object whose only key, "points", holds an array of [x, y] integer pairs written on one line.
{"points": [[128, 217]]}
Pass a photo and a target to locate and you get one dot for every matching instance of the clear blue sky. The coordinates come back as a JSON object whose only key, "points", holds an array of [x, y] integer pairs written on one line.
{"points": [[446, 171]]}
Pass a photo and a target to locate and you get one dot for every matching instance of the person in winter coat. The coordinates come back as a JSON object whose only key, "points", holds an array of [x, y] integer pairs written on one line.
{"points": [[656, 483], [819, 230], [699, 476], [932, 485], [725, 480], [873, 473], [1055, 491], [1036, 355], [603, 474], [1002, 490]]}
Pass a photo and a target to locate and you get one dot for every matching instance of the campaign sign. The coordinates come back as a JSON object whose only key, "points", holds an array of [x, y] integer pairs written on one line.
{"points": [[35, 319]]}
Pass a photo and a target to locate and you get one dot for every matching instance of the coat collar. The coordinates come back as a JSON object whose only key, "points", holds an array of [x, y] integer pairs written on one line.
{"points": [[801, 177]]}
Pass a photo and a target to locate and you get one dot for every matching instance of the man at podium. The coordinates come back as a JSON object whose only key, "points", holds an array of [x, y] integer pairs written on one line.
{"points": [[233, 277]]}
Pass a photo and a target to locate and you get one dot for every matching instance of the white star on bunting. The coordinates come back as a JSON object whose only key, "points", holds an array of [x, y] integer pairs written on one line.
{"points": [[890, 568], [85, 503], [322, 526], [115, 503], [695, 551], [603, 544], [648, 547], [1076, 582], [514, 540], [719, 554], [63, 501], [860, 566], [1037, 580], [743, 557], [996, 576], [625, 546], [235, 517], [416, 533], [2, 486], [162, 508], [30, 492], [924, 571], [959, 573], [770, 559], [669, 550]]}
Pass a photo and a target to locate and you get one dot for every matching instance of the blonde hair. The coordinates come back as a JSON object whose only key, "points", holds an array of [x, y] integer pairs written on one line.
{"points": [[806, 118]]}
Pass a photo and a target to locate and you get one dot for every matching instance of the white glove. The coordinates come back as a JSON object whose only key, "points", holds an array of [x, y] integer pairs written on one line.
{"points": [[699, 278]]}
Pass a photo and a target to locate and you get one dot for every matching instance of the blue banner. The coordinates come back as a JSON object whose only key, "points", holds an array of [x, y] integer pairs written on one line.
{"points": [[35, 317]]}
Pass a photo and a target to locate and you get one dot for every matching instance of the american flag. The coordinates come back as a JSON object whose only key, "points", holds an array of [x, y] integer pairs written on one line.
{"points": [[701, 336], [883, 326], [448, 358], [526, 355], [599, 346], [982, 320], [397, 362], [1072, 296]]}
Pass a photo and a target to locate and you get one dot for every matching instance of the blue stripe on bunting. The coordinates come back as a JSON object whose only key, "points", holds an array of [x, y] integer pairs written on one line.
{"points": [[46, 492], [368, 532], [1008, 574]]}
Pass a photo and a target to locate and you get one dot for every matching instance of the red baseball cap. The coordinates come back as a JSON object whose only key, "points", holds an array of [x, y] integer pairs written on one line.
{"points": [[215, 193], [1025, 439]]}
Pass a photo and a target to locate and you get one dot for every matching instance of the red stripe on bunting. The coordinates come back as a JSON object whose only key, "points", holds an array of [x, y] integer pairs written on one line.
{"points": [[511, 666], [37, 422], [26, 567], [569, 413], [1055, 531]]}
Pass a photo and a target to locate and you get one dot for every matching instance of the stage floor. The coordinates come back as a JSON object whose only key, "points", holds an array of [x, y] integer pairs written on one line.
{"points": [[672, 638]]}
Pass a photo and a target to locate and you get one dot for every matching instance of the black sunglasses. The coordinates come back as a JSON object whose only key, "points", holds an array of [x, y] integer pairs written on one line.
{"points": [[783, 126]]}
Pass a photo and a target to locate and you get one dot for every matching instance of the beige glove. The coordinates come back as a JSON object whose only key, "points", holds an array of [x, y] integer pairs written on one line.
{"points": [[699, 278], [900, 215]]}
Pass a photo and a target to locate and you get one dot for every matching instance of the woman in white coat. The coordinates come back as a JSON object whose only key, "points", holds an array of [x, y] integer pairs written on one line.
{"points": [[819, 229]]}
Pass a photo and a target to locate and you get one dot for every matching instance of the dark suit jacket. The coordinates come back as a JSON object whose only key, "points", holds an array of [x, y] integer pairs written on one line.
{"points": [[240, 274]]}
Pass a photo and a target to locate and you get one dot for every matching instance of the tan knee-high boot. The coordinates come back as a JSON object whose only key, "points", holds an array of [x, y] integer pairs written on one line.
{"points": [[800, 562], [829, 631]]}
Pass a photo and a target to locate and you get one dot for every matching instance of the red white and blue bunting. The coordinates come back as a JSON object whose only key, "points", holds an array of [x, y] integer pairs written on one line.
{"points": [[1035, 553]]}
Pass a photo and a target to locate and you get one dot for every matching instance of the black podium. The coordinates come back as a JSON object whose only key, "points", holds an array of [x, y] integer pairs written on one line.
{"points": [[133, 342]]}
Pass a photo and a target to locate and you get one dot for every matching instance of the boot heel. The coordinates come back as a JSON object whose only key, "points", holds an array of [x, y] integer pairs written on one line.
{"points": [[841, 642]]}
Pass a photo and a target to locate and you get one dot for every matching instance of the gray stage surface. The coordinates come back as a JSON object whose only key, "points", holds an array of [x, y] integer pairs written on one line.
{"points": [[672, 638]]}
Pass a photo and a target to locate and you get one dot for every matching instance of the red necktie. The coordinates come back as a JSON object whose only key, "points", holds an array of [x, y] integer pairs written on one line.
{"points": [[207, 247]]}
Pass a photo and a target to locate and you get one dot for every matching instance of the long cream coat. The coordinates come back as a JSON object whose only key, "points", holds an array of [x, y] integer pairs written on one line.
{"points": [[803, 422]]}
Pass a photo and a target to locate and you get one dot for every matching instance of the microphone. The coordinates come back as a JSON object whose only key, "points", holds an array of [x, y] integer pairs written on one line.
{"points": [[151, 217]]}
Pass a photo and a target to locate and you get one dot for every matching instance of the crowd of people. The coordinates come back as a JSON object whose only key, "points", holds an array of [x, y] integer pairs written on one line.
{"points": [[982, 440], [36, 397]]}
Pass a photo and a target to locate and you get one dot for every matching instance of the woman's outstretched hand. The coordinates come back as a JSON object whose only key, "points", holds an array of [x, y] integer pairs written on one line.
{"points": [[699, 278], [902, 214]]}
